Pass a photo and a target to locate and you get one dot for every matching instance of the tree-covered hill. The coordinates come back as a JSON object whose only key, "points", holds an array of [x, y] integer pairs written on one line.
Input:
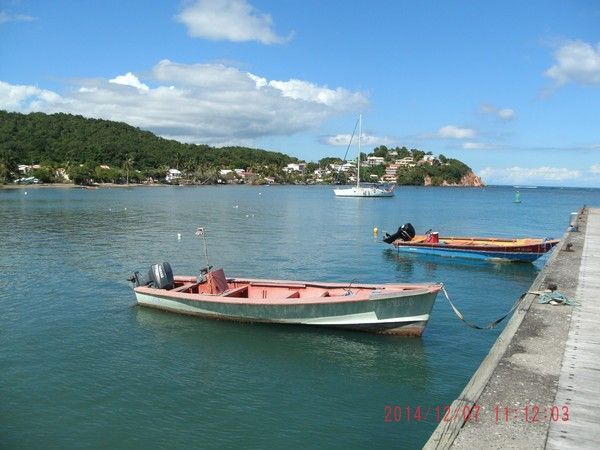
{"points": [[61, 147], [38, 138]]}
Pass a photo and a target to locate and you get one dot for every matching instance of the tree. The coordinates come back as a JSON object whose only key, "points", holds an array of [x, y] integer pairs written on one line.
{"points": [[311, 167], [45, 174], [417, 154], [128, 165], [82, 173], [8, 165], [366, 172], [402, 152], [414, 176], [381, 151], [324, 163]]}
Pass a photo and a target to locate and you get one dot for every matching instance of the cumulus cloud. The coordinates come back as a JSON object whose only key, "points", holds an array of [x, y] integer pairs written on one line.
{"points": [[500, 113], [454, 132], [13, 96], [529, 175], [366, 140], [595, 169], [576, 62], [231, 20], [129, 79], [6, 17], [206, 103]]}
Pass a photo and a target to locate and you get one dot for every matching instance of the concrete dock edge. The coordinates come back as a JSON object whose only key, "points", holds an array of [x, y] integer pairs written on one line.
{"points": [[527, 374]]}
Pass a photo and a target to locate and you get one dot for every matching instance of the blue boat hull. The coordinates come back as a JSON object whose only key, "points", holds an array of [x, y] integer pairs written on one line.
{"points": [[472, 254]]}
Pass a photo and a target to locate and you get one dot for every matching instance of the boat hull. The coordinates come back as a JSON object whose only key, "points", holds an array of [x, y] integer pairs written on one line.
{"points": [[473, 254], [397, 313], [363, 192], [494, 249]]}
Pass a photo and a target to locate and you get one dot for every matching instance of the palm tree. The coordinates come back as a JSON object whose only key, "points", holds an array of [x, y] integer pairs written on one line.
{"points": [[188, 166], [128, 165]]}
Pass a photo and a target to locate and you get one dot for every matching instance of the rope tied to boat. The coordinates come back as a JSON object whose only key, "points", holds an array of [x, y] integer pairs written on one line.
{"points": [[478, 327]]}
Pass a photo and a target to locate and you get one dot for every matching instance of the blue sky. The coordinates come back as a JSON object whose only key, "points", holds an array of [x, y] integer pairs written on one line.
{"points": [[511, 88]]}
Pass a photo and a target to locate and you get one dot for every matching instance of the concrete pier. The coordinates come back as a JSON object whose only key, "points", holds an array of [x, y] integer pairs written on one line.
{"points": [[539, 386]]}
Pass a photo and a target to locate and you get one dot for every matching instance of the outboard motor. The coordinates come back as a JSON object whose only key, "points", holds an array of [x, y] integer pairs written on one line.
{"points": [[161, 276], [406, 232], [138, 279]]}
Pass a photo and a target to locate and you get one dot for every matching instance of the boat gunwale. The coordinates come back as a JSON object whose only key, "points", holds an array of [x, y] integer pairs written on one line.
{"points": [[510, 246], [386, 292], [491, 239]]}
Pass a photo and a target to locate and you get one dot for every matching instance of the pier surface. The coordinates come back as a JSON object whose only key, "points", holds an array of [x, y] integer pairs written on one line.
{"points": [[539, 386]]}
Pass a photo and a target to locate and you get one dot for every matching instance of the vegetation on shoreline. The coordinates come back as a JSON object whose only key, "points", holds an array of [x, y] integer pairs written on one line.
{"points": [[64, 146]]}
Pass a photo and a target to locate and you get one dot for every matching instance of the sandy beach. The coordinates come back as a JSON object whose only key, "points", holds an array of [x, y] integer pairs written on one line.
{"points": [[76, 186]]}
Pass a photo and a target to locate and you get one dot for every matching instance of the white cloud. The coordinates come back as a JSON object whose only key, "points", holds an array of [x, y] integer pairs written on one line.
{"points": [[454, 132], [475, 145], [506, 114], [232, 20], [529, 175], [129, 79], [6, 17], [207, 103], [577, 62], [14, 96], [595, 169], [302, 90], [366, 140], [501, 113]]}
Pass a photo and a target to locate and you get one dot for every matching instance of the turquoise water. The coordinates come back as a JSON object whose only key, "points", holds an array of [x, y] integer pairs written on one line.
{"points": [[81, 366]]}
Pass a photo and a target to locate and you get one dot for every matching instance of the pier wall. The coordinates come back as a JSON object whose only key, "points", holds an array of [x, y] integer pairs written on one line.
{"points": [[512, 397]]}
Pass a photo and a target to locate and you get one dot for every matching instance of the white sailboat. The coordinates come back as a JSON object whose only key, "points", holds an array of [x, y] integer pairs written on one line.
{"points": [[363, 191]]}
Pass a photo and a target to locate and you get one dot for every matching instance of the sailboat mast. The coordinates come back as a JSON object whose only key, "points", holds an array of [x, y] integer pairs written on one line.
{"points": [[358, 159]]}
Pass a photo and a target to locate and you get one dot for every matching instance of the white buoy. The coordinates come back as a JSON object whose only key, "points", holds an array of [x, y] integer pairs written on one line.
{"points": [[178, 236], [25, 192]]}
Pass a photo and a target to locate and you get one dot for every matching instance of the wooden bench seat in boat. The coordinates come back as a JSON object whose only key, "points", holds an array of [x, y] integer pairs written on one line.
{"points": [[241, 291], [185, 287]]}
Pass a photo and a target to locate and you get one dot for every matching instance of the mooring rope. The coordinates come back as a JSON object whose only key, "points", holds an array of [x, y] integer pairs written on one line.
{"points": [[489, 325]]}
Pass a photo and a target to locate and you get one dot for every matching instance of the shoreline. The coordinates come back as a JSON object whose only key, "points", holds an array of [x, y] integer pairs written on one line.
{"points": [[130, 185], [76, 186]]}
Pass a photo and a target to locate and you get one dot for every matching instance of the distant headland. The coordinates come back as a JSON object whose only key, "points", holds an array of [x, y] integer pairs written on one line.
{"points": [[64, 148]]}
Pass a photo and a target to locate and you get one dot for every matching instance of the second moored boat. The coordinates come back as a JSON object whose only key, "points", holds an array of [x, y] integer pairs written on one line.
{"points": [[487, 248]]}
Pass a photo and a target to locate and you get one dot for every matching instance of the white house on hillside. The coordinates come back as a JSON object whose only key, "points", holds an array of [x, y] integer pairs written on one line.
{"points": [[295, 167], [375, 160], [173, 175]]}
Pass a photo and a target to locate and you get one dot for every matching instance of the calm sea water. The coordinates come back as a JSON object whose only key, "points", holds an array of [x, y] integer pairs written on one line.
{"points": [[81, 367]]}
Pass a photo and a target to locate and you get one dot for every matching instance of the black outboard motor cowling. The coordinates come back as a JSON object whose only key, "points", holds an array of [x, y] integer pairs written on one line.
{"points": [[406, 232], [161, 276]]}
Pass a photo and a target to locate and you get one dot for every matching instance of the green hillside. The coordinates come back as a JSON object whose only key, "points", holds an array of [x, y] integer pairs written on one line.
{"points": [[39, 138], [64, 145]]}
